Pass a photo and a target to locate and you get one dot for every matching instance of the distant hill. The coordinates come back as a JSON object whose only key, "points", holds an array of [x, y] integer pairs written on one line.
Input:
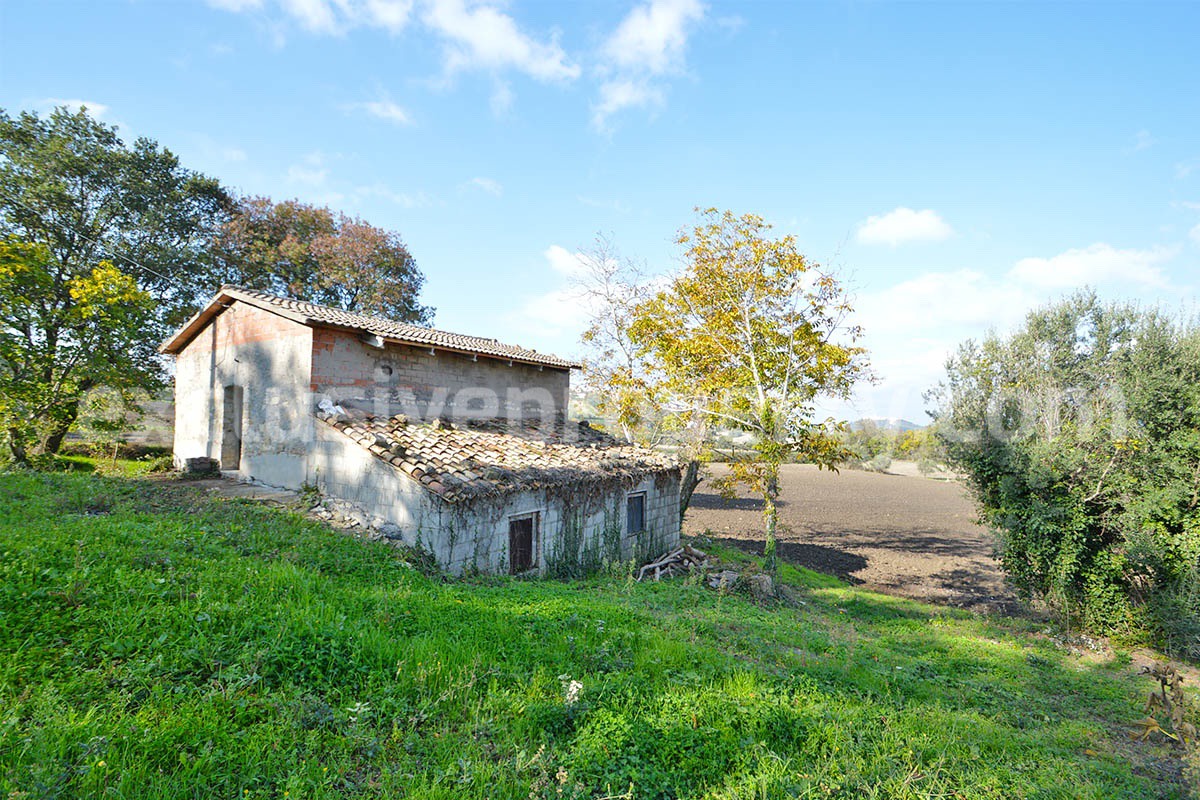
{"points": [[888, 424]]}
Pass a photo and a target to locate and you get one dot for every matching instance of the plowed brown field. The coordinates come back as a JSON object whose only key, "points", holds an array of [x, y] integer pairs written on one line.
{"points": [[909, 536]]}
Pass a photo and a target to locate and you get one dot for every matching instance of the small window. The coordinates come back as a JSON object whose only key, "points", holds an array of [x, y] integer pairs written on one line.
{"points": [[635, 512], [522, 536]]}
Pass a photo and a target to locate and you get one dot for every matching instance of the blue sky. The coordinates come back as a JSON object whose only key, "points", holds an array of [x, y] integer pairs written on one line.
{"points": [[957, 163]]}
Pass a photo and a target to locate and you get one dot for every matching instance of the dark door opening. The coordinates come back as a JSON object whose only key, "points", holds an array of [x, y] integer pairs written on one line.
{"points": [[521, 538], [231, 428], [635, 513]]}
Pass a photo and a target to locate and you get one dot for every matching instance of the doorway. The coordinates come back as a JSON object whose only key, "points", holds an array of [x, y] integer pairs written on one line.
{"points": [[522, 543], [231, 428]]}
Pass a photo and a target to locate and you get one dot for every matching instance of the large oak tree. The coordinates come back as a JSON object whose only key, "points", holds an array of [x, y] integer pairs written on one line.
{"points": [[313, 253], [105, 249]]}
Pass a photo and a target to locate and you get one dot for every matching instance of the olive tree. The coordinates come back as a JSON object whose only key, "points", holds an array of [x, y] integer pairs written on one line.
{"points": [[1079, 435]]}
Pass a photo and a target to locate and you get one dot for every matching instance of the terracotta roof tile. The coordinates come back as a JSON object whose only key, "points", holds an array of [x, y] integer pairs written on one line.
{"points": [[313, 314], [460, 463]]}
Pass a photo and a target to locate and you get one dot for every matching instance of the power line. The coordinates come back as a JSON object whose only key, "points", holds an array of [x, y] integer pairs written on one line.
{"points": [[77, 232]]}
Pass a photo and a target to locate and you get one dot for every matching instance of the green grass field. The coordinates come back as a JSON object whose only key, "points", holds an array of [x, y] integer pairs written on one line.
{"points": [[157, 643]]}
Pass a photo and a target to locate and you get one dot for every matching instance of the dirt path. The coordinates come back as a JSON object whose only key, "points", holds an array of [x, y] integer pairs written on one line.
{"points": [[907, 536]]}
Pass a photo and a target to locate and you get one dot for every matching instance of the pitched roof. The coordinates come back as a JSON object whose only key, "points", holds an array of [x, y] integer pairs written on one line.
{"points": [[460, 463], [389, 330]]}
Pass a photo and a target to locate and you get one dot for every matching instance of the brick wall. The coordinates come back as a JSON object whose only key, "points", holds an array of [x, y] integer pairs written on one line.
{"points": [[424, 385], [269, 357]]}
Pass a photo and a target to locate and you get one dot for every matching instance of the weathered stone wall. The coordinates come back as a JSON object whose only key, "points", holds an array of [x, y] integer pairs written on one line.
{"points": [[340, 467], [269, 357], [575, 528], [399, 379]]}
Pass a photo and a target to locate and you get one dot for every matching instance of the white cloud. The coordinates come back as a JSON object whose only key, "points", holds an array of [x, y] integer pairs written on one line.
{"points": [[1194, 234], [312, 171], [236, 5], [961, 297], [555, 315], [911, 327], [1185, 168], [555, 319], [904, 225], [1096, 264], [392, 15], [330, 17], [407, 200], [482, 37], [607, 205], [488, 185], [622, 94], [1142, 140], [317, 16], [475, 35], [94, 109], [648, 44], [385, 109], [653, 37], [564, 262], [502, 98]]}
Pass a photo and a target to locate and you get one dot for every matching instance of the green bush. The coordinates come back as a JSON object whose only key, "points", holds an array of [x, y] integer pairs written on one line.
{"points": [[1079, 436], [879, 463]]}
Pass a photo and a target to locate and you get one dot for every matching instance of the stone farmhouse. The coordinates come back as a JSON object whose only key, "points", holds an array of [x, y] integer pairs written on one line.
{"points": [[458, 444]]}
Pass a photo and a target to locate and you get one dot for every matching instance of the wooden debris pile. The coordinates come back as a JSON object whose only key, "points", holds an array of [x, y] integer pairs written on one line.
{"points": [[723, 580], [717, 575], [679, 561]]}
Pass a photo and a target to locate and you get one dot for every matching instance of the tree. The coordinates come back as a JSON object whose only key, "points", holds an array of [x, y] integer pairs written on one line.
{"points": [[750, 335], [618, 370], [312, 253], [52, 352], [88, 222], [1079, 435]]}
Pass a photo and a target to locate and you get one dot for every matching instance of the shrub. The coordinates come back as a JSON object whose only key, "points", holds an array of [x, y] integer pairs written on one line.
{"points": [[879, 463], [1079, 436]]}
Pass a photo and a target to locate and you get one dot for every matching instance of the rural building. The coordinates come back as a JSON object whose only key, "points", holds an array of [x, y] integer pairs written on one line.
{"points": [[456, 443]]}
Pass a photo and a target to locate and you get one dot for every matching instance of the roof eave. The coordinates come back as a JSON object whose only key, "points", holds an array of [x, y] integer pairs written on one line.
{"points": [[564, 364], [227, 294], [195, 324]]}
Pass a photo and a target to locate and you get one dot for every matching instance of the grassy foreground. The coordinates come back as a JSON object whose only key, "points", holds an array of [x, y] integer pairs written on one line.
{"points": [[156, 643]]}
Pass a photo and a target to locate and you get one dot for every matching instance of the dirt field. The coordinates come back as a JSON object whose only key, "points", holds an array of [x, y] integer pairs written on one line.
{"points": [[908, 536]]}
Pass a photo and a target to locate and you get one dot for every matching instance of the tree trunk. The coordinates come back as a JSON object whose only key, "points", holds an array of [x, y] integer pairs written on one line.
{"points": [[772, 516], [58, 430], [687, 486], [17, 447], [769, 546]]}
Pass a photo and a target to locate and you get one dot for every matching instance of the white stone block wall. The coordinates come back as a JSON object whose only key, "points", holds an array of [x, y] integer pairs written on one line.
{"points": [[473, 535]]}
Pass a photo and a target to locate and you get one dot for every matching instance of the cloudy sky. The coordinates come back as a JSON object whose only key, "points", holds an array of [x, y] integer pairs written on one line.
{"points": [[956, 163]]}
